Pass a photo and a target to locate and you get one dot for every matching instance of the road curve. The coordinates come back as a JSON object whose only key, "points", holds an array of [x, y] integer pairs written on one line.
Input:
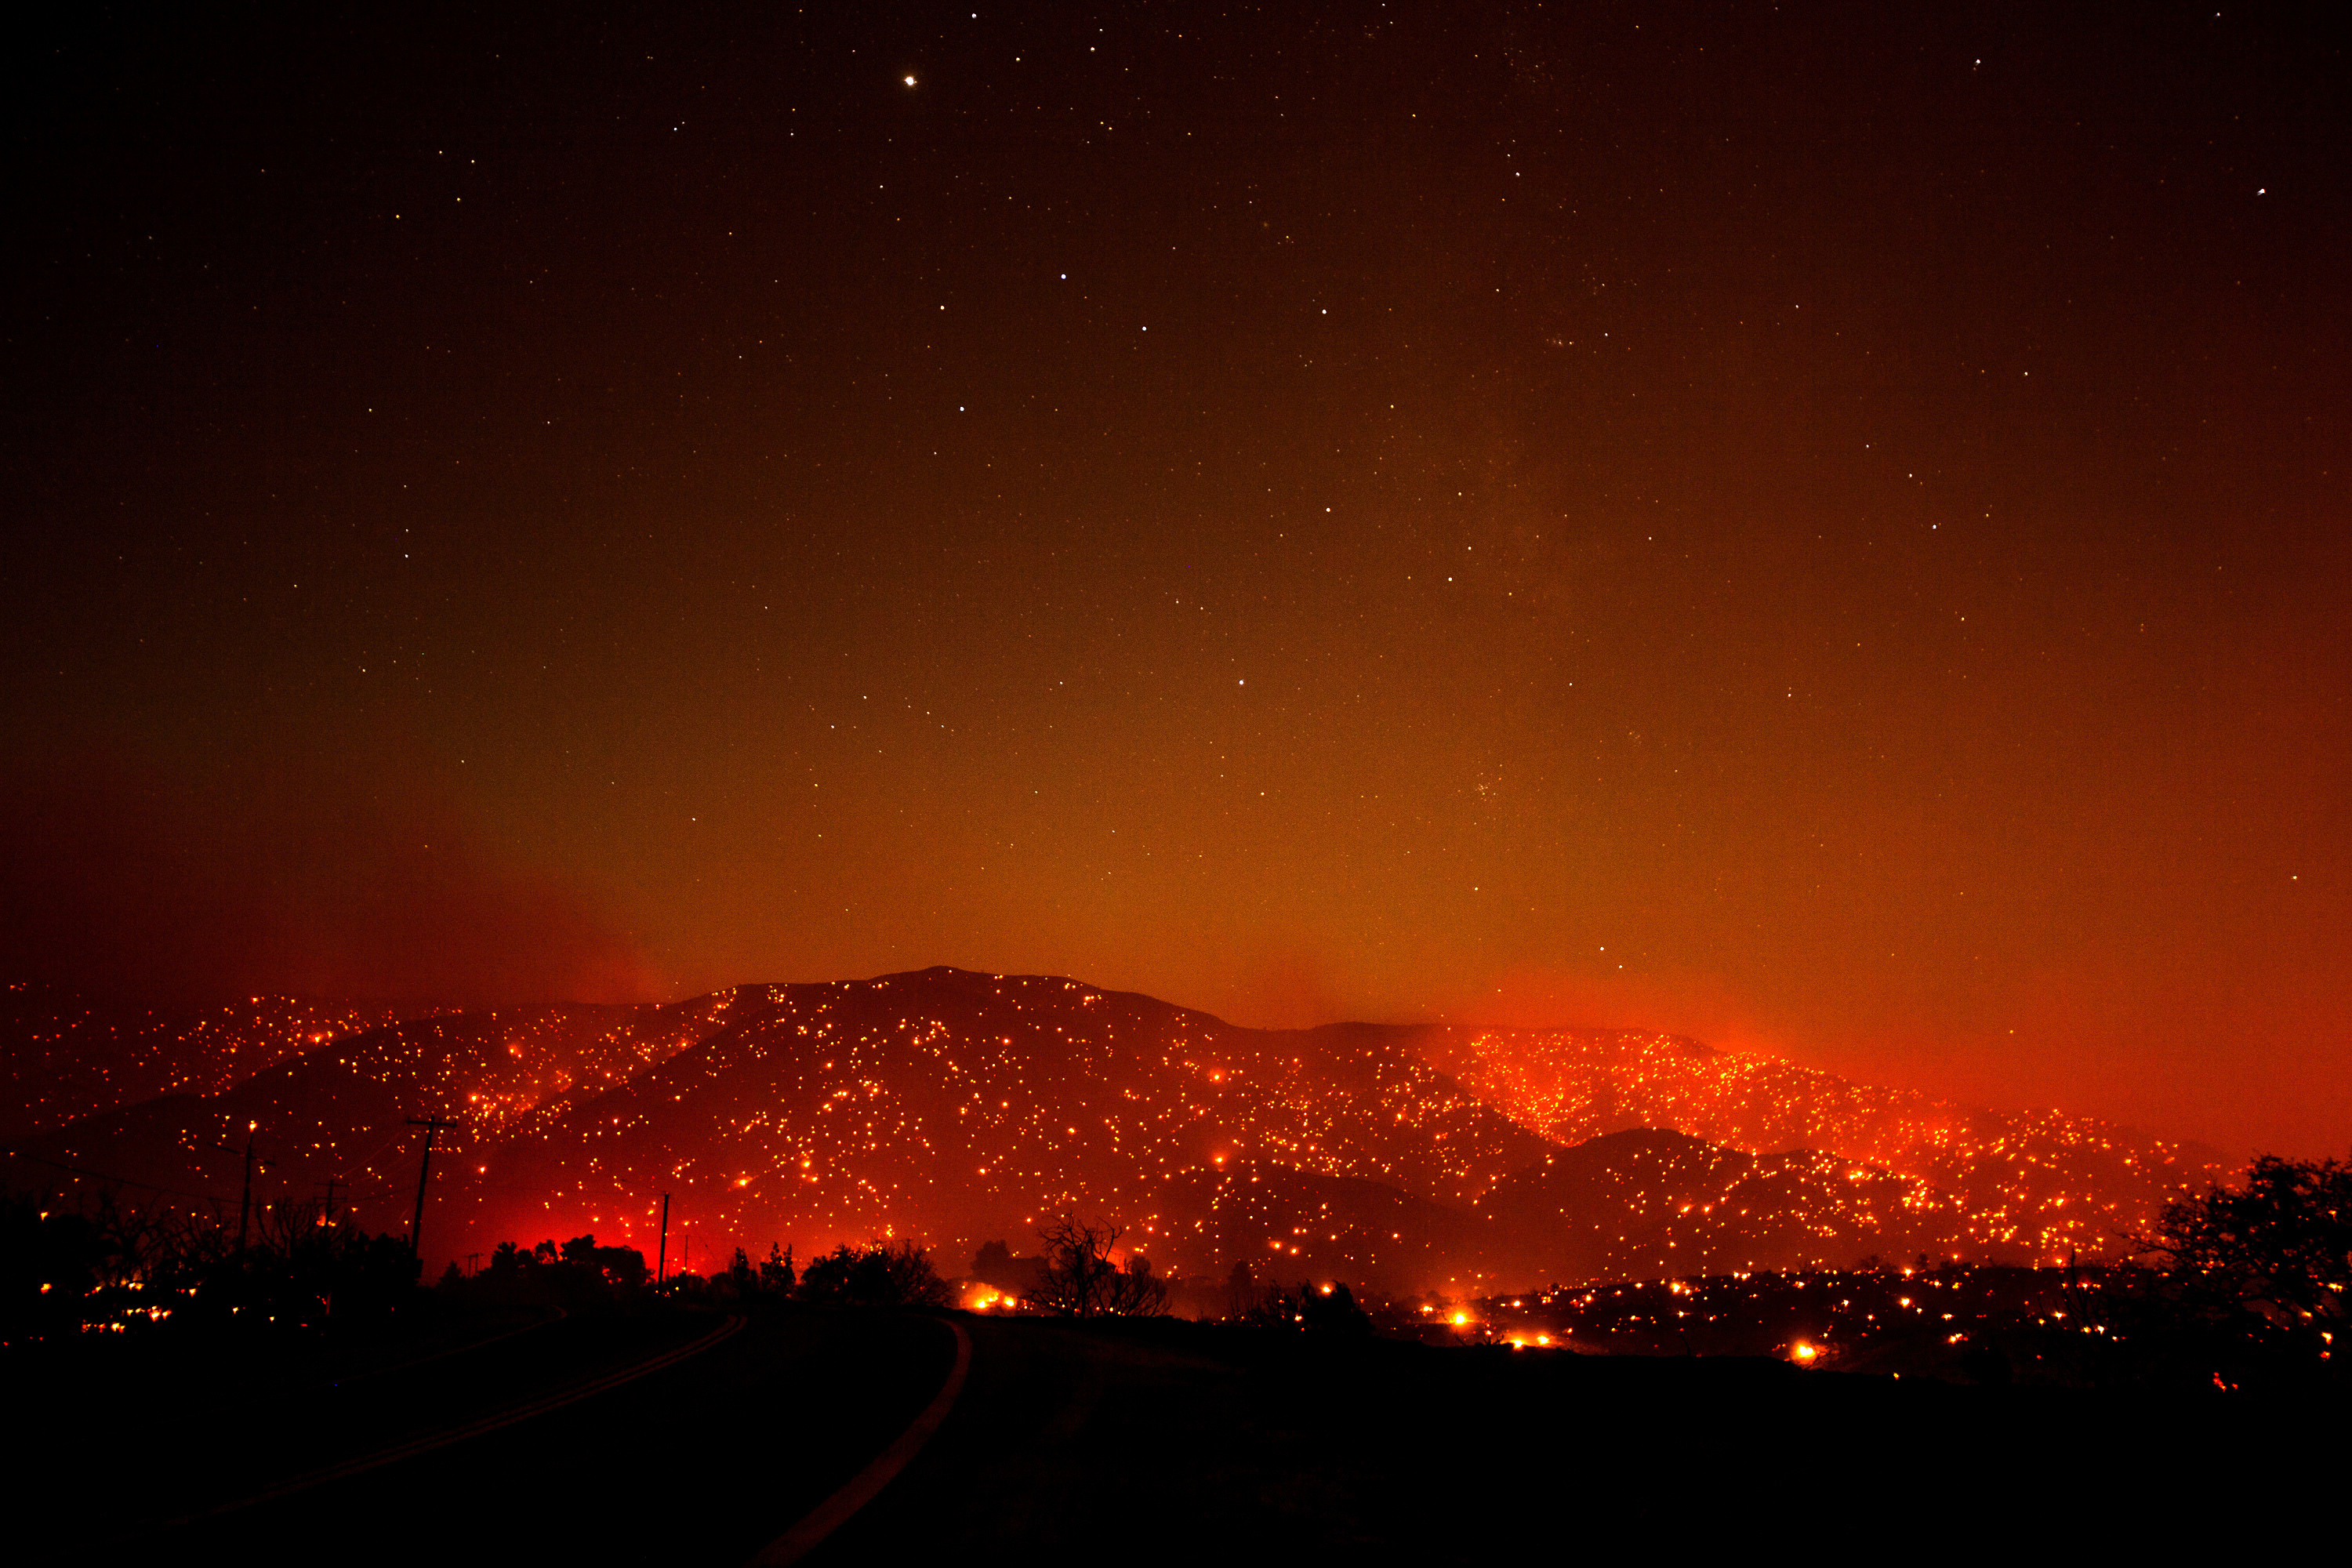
{"points": [[475, 1429], [860, 1488], [599, 1438]]}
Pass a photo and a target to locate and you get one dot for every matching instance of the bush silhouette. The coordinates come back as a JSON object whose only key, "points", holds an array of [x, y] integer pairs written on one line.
{"points": [[96, 1264], [1326, 1308], [881, 1274], [579, 1272]]}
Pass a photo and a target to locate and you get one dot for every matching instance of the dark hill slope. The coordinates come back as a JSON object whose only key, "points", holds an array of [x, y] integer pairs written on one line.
{"points": [[1647, 1204], [2037, 1184], [957, 1108], [63, 1054], [339, 1111], [965, 1107]]}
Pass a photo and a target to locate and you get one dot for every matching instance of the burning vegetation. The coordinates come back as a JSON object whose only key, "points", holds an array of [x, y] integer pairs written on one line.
{"points": [[945, 1108]]}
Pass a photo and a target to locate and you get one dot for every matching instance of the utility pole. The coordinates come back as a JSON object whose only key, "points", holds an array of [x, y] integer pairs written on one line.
{"points": [[244, 1204], [331, 1183], [661, 1253], [431, 1125]]}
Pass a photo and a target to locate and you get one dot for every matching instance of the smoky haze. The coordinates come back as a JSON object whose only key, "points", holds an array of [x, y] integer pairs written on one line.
{"points": [[1814, 527], [130, 887]]}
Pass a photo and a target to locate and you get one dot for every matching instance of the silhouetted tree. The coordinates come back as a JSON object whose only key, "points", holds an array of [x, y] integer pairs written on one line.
{"points": [[624, 1267], [776, 1277], [307, 1270], [1081, 1281], [1077, 1268], [826, 1281], [2255, 1276], [902, 1276], [1140, 1292]]}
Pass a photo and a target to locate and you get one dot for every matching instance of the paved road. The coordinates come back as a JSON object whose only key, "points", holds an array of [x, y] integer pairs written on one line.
{"points": [[703, 1460], [1152, 1443], [1175, 1443]]}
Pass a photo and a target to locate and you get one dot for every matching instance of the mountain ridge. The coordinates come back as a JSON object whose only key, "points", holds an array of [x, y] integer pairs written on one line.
{"points": [[958, 1106]]}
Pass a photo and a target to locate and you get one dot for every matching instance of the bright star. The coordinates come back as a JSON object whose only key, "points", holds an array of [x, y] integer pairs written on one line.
{"points": [[911, 81]]}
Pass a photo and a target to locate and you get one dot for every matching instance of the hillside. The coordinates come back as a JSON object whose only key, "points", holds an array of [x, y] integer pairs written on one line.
{"points": [[1647, 1204], [957, 1108], [63, 1056], [339, 1110], [2040, 1182], [965, 1107]]}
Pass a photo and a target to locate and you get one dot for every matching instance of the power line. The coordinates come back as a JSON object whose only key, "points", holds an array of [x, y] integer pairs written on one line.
{"points": [[349, 1196], [120, 1181], [364, 1161]]}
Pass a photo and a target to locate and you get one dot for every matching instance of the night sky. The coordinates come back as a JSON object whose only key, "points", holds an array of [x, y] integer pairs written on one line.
{"points": [[1819, 528]]}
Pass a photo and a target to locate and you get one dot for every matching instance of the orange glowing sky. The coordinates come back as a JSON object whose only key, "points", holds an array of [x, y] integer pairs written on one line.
{"points": [[1819, 529]]}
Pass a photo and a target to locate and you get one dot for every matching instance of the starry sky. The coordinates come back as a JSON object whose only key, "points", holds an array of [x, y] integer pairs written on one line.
{"points": [[1819, 527]]}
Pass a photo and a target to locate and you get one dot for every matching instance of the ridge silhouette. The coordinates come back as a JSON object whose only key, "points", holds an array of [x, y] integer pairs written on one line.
{"points": [[954, 1107]]}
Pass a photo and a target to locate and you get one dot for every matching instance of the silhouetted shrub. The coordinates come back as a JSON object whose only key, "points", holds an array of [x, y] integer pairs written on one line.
{"points": [[623, 1268], [577, 1273], [1325, 1309], [100, 1266], [882, 1274]]}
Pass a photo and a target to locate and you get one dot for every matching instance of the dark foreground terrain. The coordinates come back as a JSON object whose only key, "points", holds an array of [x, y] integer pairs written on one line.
{"points": [[1154, 1441], [1194, 1443]]}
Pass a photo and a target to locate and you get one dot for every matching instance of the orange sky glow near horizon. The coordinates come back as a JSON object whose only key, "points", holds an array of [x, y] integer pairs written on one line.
{"points": [[1823, 532]]}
